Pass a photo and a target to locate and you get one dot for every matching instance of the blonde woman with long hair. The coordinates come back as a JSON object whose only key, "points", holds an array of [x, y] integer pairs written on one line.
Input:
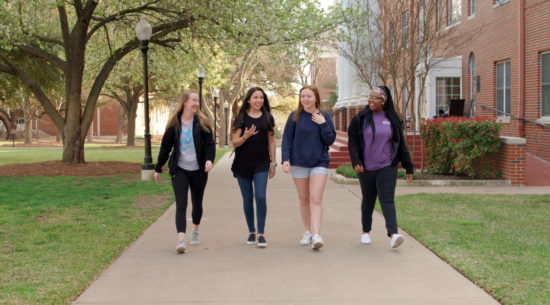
{"points": [[188, 137]]}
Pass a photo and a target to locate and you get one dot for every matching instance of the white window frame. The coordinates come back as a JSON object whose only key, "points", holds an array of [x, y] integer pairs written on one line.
{"points": [[452, 5], [506, 101], [544, 116], [406, 29], [471, 8], [449, 97]]}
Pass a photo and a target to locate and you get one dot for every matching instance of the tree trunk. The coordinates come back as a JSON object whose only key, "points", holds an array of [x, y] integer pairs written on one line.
{"points": [[121, 122], [6, 121], [132, 114], [28, 130]]}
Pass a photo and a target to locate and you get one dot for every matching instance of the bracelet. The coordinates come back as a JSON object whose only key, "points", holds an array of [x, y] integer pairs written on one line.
{"points": [[273, 164]]}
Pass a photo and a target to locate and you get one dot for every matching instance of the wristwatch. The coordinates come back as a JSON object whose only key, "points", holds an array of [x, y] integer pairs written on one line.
{"points": [[273, 164]]}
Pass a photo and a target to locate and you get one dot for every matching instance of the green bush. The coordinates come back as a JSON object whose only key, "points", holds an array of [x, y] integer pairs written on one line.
{"points": [[348, 172], [461, 146]]}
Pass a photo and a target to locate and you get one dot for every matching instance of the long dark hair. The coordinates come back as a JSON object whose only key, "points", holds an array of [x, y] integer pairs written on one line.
{"points": [[300, 107], [266, 110], [389, 110]]}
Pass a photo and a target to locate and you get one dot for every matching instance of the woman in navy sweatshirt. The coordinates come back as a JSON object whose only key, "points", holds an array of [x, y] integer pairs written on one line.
{"points": [[308, 134]]}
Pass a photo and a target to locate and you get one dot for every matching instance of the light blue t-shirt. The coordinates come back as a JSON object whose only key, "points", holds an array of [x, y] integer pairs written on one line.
{"points": [[188, 156]]}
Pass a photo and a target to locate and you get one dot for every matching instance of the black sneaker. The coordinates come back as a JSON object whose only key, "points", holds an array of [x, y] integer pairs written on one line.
{"points": [[262, 243], [251, 239]]}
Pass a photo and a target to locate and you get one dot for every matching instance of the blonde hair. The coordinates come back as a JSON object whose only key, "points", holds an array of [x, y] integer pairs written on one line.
{"points": [[175, 115], [300, 107]]}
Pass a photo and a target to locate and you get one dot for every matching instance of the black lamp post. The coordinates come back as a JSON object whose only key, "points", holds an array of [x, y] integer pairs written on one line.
{"points": [[215, 94], [200, 75], [226, 108], [143, 33]]}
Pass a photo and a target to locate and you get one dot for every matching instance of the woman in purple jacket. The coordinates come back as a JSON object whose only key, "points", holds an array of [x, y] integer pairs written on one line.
{"points": [[376, 145]]}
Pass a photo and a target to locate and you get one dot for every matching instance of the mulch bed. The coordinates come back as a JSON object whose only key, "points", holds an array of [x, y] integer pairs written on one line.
{"points": [[58, 168]]}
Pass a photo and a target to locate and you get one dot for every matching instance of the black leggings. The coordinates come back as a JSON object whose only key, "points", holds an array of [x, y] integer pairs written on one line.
{"points": [[181, 182], [379, 183]]}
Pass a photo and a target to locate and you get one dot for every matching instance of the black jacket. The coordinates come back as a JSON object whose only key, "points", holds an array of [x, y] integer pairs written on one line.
{"points": [[204, 147], [356, 144]]}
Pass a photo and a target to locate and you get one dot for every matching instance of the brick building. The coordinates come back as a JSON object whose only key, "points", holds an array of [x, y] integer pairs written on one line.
{"points": [[502, 71]]}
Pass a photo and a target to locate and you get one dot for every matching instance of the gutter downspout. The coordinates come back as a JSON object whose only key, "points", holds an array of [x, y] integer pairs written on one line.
{"points": [[521, 87]]}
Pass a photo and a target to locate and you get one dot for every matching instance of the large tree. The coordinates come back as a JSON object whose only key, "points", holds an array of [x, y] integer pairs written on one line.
{"points": [[64, 33]]}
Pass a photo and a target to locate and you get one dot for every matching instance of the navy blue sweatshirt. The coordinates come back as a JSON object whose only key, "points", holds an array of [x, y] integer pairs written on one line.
{"points": [[305, 143]]}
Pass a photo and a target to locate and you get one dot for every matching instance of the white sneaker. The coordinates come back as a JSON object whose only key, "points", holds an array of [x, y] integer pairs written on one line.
{"points": [[306, 239], [317, 242], [396, 240], [195, 238], [181, 246], [365, 238]]}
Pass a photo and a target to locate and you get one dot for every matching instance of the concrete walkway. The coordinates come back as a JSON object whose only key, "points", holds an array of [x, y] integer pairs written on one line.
{"points": [[224, 270]]}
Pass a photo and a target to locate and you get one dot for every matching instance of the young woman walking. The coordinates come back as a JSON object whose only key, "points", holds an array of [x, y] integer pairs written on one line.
{"points": [[254, 141], [376, 145], [188, 136], [308, 134]]}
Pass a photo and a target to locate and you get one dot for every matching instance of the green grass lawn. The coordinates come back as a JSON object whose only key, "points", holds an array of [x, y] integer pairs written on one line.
{"points": [[500, 242], [58, 233], [92, 153]]}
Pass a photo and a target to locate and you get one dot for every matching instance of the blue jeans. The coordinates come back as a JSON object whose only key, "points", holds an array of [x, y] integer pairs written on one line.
{"points": [[249, 193]]}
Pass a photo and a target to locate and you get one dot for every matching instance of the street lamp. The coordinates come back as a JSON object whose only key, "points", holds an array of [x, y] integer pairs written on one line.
{"points": [[215, 94], [143, 33], [200, 75], [226, 108]]}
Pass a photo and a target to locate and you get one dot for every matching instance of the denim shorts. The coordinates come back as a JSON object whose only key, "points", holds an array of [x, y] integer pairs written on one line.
{"points": [[305, 172]]}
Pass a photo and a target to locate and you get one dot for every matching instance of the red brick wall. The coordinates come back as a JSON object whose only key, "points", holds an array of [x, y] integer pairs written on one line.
{"points": [[108, 125], [325, 79], [493, 35], [511, 161], [109, 120]]}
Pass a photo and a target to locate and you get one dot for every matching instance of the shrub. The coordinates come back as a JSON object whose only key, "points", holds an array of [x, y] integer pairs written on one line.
{"points": [[346, 170], [461, 146]]}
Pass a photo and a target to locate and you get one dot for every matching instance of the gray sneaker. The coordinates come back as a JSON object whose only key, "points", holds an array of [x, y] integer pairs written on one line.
{"points": [[181, 246], [195, 238]]}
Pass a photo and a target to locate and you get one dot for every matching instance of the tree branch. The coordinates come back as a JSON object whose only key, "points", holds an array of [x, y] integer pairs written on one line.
{"points": [[65, 31], [56, 61], [36, 89], [119, 15]]}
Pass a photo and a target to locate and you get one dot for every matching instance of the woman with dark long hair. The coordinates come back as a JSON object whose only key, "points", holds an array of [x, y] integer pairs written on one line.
{"points": [[376, 145], [309, 132], [254, 142], [188, 136]]}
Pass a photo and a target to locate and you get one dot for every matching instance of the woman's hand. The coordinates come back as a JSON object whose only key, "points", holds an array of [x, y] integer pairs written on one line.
{"points": [[208, 166], [286, 167], [358, 168], [249, 132], [410, 178], [272, 171], [157, 177], [318, 118]]}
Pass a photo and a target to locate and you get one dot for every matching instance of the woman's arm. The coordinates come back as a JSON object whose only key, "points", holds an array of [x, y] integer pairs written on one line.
{"points": [[165, 149], [353, 142], [272, 154], [239, 140]]}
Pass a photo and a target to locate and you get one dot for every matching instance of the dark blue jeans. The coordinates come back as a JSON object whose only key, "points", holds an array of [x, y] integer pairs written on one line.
{"points": [[379, 183], [250, 189]]}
